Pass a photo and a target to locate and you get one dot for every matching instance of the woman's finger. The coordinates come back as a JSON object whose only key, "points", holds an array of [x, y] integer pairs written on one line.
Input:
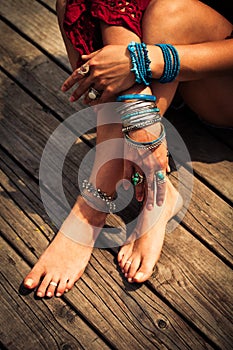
{"points": [[77, 75], [128, 170], [138, 180], [88, 57], [160, 178]]}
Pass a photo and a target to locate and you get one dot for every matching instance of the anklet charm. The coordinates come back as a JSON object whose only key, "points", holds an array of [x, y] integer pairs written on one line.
{"points": [[94, 195]]}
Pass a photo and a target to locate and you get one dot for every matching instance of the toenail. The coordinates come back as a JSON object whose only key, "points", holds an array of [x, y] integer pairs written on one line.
{"points": [[39, 294], [29, 282], [139, 275], [49, 294], [58, 294]]}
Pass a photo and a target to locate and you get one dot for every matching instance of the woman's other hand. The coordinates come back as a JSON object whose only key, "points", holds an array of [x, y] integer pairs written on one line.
{"points": [[109, 73]]}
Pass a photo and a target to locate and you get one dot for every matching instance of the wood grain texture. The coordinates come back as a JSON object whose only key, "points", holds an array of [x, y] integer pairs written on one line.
{"points": [[119, 311]]}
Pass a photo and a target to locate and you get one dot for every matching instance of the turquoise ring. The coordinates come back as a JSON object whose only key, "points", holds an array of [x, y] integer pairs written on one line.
{"points": [[137, 179], [160, 177]]}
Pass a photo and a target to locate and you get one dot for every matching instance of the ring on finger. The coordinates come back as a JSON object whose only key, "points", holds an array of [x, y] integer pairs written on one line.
{"points": [[93, 94], [137, 179], [160, 176], [83, 70]]}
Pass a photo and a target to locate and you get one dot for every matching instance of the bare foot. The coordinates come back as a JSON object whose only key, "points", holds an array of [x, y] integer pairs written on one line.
{"points": [[66, 258], [138, 258]]}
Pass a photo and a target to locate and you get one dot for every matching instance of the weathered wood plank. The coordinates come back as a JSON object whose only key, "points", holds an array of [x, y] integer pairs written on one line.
{"points": [[37, 325], [28, 19], [174, 280], [50, 3], [125, 316]]}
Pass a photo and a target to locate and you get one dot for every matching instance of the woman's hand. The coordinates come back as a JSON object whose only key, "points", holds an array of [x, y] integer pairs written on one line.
{"points": [[146, 163], [109, 73]]}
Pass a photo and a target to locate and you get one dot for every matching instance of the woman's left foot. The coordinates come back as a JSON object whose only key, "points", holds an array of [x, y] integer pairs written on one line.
{"points": [[138, 258]]}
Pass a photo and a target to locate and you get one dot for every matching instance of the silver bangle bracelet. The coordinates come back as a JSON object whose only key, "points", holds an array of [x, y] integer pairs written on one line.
{"points": [[147, 145]]}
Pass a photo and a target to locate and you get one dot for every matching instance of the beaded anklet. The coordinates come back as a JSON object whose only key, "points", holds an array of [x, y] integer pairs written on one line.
{"points": [[99, 199]]}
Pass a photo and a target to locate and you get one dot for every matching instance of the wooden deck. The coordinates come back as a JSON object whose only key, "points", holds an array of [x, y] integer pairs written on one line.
{"points": [[187, 304]]}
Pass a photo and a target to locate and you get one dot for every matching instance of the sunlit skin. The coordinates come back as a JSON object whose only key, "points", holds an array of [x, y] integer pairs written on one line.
{"points": [[206, 65]]}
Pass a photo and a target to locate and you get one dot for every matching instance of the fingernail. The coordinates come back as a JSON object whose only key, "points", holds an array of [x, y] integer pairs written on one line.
{"points": [[49, 294], [39, 294], [63, 88], [160, 203], [126, 185], [29, 282], [130, 280], [66, 290], [58, 294], [150, 206], [72, 99], [126, 275]]}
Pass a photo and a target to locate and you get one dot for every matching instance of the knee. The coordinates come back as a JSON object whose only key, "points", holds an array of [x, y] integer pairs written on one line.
{"points": [[182, 22]]}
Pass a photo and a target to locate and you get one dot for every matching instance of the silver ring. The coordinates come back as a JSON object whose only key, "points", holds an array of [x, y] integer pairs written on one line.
{"points": [[160, 177], [93, 94], [83, 70], [53, 284], [128, 262]]}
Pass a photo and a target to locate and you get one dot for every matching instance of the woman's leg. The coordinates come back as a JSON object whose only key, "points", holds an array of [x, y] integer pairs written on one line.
{"points": [[178, 22], [65, 260], [189, 22]]}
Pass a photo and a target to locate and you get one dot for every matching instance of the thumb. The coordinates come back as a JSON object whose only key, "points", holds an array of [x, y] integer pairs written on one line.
{"points": [[89, 56]]}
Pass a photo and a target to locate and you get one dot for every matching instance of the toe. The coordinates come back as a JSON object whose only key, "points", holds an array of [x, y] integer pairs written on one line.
{"points": [[32, 280], [43, 286], [133, 268], [144, 272], [52, 286], [62, 286]]}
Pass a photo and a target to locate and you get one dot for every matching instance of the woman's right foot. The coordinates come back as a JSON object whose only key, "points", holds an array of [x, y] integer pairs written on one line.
{"points": [[138, 258], [66, 258]]}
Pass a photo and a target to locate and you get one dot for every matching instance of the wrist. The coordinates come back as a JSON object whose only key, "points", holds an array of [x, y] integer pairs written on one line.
{"points": [[146, 134], [157, 61]]}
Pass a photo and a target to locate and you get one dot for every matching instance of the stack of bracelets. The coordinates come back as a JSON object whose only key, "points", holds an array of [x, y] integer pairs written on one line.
{"points": [[139, 113], [141, 63]]}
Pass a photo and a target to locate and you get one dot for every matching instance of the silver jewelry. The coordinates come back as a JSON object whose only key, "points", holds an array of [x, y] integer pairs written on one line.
{"points": [[128, 262], [83, 70], [160, 177], [140, 125], [147, 145], [99, 199], [93, 94], [53, 284]]}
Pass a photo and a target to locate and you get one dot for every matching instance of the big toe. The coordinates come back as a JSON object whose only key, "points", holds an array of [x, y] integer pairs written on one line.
{"points": [[145, 272], [32, 280]]}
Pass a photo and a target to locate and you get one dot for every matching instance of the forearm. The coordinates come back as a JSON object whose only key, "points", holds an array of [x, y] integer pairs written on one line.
{"points": [[197, 61]]}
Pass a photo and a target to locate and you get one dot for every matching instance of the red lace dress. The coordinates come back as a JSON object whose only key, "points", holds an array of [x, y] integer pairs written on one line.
{"points": [[82, 20]]}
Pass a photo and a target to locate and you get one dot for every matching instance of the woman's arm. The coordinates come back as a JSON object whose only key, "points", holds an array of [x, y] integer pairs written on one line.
{"points": [[110, 66]]}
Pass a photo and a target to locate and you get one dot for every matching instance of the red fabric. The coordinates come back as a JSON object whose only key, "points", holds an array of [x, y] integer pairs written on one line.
{"points": [[81, 22]]}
